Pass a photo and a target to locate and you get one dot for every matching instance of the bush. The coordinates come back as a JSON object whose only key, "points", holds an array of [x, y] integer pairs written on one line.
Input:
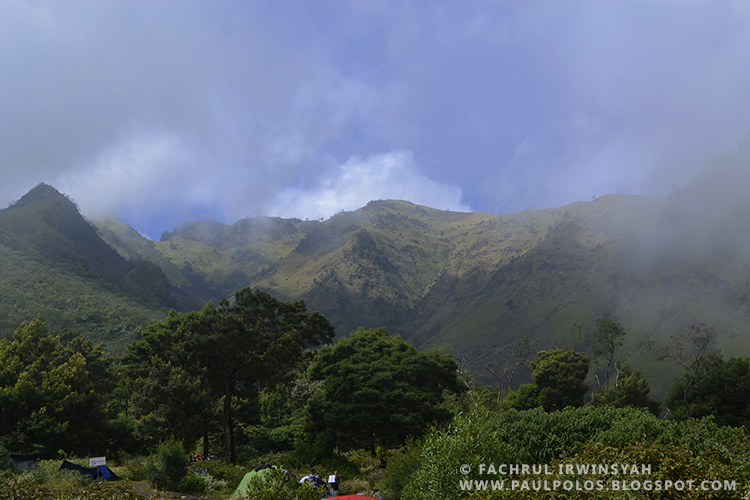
{"points": [[94, 491], [401, 465], [166, 469], [193, 483], [6, 462], [135, 465], [48, 473], [46, 481], [218, 470], [694, 450], [277, 485]]}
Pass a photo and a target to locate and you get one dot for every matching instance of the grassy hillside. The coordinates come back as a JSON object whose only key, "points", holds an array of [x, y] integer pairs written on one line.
{"points": [[54, 264], [480, 281]]}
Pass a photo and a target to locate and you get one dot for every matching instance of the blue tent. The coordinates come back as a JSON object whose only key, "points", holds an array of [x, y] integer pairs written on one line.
{"points": [[101, 473]]}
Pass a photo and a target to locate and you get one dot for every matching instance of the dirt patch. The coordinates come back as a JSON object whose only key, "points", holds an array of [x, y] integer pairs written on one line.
{"points": [[143, 488]]}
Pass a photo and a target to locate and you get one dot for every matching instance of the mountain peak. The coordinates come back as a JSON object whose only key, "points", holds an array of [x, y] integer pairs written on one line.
{"points": [[38, 193]]}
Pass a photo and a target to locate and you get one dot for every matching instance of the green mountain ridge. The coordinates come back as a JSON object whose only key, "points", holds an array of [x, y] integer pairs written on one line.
{"points": [[479, 281], [53, 263], [475, 281]]}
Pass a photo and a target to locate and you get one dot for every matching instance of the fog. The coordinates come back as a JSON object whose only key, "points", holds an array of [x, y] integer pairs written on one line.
{"points": [[177, 111]]}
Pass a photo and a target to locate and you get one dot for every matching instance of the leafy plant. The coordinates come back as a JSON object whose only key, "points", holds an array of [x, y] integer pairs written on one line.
{"points": [[692, 450], [6, 462], [168, 466]]}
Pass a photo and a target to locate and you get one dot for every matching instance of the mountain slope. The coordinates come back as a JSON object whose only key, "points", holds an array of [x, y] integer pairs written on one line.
{"points": [[480, 281], [53, 263]]}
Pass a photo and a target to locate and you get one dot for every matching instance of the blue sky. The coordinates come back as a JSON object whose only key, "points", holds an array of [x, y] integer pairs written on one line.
{"points": [[171, 111]]}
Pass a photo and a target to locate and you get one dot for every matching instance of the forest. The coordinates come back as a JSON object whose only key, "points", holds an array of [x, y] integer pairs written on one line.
{"points": [[203, 397]]}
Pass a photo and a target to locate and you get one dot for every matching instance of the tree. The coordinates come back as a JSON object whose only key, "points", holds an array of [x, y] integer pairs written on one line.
{"points": [[720, 388], [47, 398], [256, 339], [688, 350], [253, 340], [631, 389], [558, 377], [517, 356], [168, 394], [379, 390], [608, 336]]}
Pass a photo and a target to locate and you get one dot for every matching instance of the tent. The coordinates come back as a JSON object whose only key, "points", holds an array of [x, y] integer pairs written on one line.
{"points": [[26, 462], [355, 497], [255, 476], [97, 473]]}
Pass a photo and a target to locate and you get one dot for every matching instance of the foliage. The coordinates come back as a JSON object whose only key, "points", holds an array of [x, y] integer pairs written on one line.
{"points": [[166, 392], [168, 466], [558, 377], [402, 465], [188, 363], [607, 337], [631, 389], [52, 391], [719, 388], [256, 340], [28, 490], [378, 390], [203, 479], [46, 481], [515, 357], [689, 350], [6, 462], [219, 470], [277, 485], [694, 450]]}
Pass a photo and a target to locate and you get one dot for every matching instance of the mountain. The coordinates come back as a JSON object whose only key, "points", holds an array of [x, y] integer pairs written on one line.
{"points": [[475, 281], [53, 263], [479, 281]]}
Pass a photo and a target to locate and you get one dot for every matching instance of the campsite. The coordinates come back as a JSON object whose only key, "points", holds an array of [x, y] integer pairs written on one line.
{"points": [[374, 249], [392, 422], [38, 478]]}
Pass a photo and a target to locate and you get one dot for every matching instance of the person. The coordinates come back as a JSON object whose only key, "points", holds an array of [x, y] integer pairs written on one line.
{"points": [[313, 479], [333, 482]]}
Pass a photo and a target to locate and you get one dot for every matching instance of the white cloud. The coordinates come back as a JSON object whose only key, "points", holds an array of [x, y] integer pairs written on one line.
{"points": [[171, 112], [392, 175], [128, 175]]}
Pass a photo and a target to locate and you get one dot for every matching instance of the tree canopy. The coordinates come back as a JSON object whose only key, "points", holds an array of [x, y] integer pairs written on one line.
{"points": [[720, 388], [253, 340], [51, 388], [379, 390], [630, 389], [608, 336], [558, 377]]}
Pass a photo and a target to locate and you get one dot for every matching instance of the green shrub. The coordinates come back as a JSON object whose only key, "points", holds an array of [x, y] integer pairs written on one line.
{"points": [[136, 467], [6, 462], [219, 470], [48, 473], [47, 482], [401, 465], [277, 485], [694, 450], [166, 469], [193, 483]]}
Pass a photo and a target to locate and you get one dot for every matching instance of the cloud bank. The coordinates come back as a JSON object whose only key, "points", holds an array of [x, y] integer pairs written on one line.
{"points": [[174, 111]]}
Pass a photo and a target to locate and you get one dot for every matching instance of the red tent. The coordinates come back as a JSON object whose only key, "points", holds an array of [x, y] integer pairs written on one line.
{"points": [[355, 497]]}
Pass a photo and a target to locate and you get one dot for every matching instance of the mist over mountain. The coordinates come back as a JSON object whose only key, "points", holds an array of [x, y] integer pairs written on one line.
{"points": [[54, 264], [475, 281], [479, 281]]}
